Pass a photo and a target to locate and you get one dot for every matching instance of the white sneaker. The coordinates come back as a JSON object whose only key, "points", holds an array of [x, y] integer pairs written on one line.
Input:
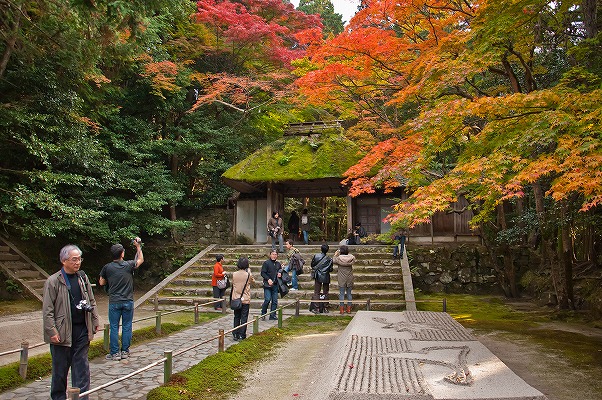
{"points": [[293, 289]]}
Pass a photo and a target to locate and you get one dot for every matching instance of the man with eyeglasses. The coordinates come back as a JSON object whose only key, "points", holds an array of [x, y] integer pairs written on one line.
{"points": [[118, 275], [70, 320]]}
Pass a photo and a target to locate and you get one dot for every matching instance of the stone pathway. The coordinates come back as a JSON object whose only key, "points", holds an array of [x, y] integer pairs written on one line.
{"points": [[137, 387]]}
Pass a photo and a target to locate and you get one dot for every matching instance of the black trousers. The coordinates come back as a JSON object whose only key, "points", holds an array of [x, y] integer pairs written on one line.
{"points": [[74, 357], [217, 294], [240, 317]]}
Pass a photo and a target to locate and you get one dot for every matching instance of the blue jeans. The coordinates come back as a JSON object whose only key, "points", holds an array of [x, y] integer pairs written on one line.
{"points": [[270, 295], [280, 242], [398, 249], [74, 357], [294, 280], [342, 295], [306, 237], [125, 311]]}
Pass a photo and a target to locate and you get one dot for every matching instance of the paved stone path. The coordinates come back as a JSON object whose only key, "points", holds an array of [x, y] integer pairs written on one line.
{"points": [[103, 371]]}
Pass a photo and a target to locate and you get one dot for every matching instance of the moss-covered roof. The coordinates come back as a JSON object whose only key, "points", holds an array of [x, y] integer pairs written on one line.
{"points": [[298, 158]]}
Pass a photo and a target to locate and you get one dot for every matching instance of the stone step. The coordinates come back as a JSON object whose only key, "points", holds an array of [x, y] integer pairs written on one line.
{"points": [[359, 268], [9, 257], [205, 280], [4, 249], [35, 283], [16, 265], [27, 273]]}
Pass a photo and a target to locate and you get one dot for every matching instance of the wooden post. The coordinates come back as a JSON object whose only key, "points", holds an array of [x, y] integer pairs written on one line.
{"points": [[256, 325], [280, 318], [167, 365], [368, 305], [224, 305], [444, 304], [23, 362], [196, 313], [156, 302], [221, 341], [297, 303], [73, 393], [106, 336], [158, 323]]}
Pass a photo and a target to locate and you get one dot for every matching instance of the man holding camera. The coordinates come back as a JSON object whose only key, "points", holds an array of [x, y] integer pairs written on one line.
{"points": [[118, 275], [70, 320]]}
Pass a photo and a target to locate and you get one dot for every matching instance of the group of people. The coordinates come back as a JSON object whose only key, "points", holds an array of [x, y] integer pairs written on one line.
{"points": [[276, 277], [70, 318]]}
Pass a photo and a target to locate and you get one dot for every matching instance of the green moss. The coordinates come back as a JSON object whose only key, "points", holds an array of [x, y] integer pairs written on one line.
{"points": [[327, 155]]}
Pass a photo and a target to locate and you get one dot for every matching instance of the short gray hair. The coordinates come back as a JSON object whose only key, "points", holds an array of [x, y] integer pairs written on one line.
{"points": [[64, 254]]}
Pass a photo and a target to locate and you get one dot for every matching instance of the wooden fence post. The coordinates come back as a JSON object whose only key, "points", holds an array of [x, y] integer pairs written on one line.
{"points": [[167, 365], [73, 393], [280, 318], [221, 341], [105, 337], [158, 323], [256, 325], [23, 362], [297, 306], [196, 313], [368, 305]]}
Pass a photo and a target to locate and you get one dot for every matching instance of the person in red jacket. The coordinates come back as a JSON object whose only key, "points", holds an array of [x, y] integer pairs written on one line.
{"points": [[218, 273]]}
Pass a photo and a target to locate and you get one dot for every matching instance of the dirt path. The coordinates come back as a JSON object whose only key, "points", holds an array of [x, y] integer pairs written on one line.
{"points": [[291, 373]]}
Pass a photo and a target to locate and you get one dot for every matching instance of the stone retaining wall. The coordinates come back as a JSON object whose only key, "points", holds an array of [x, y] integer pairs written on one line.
{"points": [[465, 268], [213, 225]]}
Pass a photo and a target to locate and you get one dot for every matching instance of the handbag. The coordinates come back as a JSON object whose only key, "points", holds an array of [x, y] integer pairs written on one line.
{"points": [[223, 283], [236, 304]]}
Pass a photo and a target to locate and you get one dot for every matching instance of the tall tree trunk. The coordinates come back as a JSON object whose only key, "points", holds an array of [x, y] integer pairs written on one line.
{"points": [[546, 246], [10, 43], [567, 254], [590, 18], [509, 271]]}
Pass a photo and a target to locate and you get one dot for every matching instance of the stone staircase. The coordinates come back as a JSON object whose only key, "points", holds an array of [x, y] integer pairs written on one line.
{"points": [[20, 268], [376, 277]]}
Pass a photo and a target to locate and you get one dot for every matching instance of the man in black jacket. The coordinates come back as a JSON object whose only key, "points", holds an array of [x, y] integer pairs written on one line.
{"points": [[321, 267], [270, 274]]}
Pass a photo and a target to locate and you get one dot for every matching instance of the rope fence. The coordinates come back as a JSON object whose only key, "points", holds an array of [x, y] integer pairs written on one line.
{"points": [[167, 360]]}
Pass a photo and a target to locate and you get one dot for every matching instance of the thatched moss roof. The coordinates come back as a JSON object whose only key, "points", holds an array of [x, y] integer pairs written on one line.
{"points": [[297, 158]]}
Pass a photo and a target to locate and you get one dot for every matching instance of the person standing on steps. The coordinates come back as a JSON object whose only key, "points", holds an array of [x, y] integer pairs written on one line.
{"points": [[399, 241], [344, 262], [305, 226], [275, 231], [293, 226], [290, 252], [321, 267], [70, 320], [270, 273], [218, 273], [241, 289], [118, 275]]}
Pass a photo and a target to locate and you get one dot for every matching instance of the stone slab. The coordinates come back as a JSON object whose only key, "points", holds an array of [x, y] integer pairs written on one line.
{"points": [[417, 355]]}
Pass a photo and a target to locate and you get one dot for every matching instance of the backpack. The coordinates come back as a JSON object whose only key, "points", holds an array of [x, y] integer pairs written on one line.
{"points": [[297, 262]]}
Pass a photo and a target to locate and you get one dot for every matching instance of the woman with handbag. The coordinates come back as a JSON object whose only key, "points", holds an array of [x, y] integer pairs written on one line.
{"points": [[219, 280], [241, 290]]}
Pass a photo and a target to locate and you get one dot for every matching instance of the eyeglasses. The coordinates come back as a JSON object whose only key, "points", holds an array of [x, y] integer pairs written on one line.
{"points": [[76, 259]]}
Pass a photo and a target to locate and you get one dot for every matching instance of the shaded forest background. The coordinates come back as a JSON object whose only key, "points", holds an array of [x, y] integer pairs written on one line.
{"points": [[117, 118]]}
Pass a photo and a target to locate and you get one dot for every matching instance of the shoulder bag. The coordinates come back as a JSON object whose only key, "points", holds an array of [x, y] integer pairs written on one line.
{"points": [[236, 304]]}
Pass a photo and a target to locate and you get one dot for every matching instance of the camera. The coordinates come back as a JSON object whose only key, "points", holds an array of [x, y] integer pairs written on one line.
{"points": [[136, 240], [84, 306]]}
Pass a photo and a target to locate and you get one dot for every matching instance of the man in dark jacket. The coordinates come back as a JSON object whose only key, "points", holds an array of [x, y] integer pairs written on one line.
{"points": [[321, 267], [270, 274]]}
